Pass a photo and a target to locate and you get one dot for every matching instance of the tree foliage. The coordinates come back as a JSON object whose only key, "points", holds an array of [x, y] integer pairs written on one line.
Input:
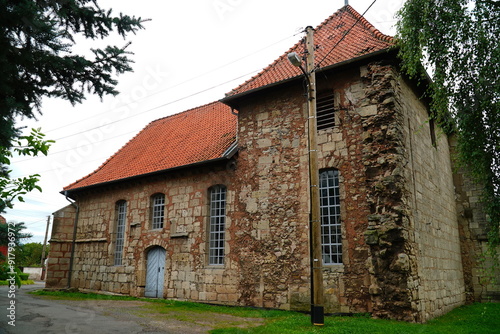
{"points": [[36, 60], [30, 254], [37, 39], [457, 40], [16, 230], [15, 188]]}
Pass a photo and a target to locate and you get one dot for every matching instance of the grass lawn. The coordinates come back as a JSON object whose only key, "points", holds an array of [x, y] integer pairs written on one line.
{"points": [[28, 282], [470, 319]]}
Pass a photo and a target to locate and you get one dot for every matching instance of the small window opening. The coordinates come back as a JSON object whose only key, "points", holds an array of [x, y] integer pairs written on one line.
{"points": [[432, 128], [158, 210], [325, 110]]}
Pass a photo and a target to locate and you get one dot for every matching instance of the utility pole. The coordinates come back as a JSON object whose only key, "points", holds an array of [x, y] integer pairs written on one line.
{"points": [[315, 254], [317, 307], [42, 261]]}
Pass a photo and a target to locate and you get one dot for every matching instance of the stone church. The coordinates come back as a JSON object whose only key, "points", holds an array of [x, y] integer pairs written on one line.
{"points": [[212, 204]]}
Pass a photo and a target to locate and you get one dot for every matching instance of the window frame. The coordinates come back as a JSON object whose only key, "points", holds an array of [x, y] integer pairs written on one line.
{"points": [[216, 225], [331, 219], [157, 220], [120, 229]]}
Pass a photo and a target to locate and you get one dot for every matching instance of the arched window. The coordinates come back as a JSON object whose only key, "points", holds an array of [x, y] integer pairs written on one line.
{"points": [[331, 232], [121, 214], [157, 211], [217, 225]]}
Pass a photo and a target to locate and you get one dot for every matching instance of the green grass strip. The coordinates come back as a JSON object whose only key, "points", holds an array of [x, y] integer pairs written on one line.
{"points": [[480, 318]]}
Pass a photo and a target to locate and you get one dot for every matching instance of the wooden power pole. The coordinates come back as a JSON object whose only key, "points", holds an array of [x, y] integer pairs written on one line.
{"points": [[317, 307], [42, 261]]}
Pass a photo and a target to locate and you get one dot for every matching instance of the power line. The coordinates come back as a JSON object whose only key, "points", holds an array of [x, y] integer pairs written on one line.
{"points": [[345, 34], [160, 106], [181, 83], [148, 110], [190, 95], [161, 91], [71, 149]]}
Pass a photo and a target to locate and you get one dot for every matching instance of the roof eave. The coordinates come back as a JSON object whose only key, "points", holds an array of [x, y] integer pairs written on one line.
{"points": [[228, 154], [232, 99]]}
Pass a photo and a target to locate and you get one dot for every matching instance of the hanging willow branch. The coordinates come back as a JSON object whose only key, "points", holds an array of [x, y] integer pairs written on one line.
{"points": [[457, 41]]}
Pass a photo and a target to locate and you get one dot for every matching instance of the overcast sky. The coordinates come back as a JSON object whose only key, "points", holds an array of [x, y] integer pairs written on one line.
{"points": [[189, 54]]}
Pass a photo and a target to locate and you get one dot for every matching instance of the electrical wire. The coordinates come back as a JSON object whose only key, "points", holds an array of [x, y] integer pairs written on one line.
{"points": [[190, 95], [181, 83], [142, 113], [318, 64], [162, 105]]}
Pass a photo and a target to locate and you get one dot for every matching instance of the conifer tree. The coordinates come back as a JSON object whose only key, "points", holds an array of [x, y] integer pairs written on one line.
{"points": [[37, 60]]}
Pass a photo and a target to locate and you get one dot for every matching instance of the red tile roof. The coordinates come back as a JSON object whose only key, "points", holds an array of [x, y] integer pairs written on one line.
{"points": [[193, 136], [206, 132], [362, 39]]}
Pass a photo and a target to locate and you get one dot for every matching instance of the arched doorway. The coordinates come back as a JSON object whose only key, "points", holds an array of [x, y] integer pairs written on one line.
{"points": [[155, 272]]}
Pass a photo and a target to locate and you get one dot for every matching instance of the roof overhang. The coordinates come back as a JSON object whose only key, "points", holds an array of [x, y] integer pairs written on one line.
{"points": [[232, 100], [228, 154]]}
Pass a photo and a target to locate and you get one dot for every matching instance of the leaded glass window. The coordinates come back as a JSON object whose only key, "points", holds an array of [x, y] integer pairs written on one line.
{"points": [[121, 212], [217, 225], [158, 211], [331, 235]]}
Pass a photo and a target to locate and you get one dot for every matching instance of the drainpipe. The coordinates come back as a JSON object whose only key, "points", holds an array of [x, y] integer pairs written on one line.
{"points": [[73, 243]]}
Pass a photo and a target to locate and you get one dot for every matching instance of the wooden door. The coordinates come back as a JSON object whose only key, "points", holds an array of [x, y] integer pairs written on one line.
{"points": [[155, 273]]}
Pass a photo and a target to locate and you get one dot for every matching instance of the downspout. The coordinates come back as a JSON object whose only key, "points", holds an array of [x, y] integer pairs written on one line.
{"points": [[73, 243]]}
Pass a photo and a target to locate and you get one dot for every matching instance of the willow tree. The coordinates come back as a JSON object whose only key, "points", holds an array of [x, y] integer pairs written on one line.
{"points": [[457, 41]]}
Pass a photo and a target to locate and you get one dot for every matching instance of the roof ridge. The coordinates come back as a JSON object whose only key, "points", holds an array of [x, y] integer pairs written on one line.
{"points": [[275, 69], [151, 124], [263, 70], [183, 112], [377, 33]]}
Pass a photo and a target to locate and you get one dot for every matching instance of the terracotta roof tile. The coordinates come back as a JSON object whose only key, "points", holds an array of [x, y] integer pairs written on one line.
{"points": [[363, 38], [206, 132], [196, 135]]}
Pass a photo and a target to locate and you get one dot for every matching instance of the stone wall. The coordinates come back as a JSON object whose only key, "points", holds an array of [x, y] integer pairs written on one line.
{"points": [[401, 250], [60, 248], [35, 273], [187, 275], [439, 286], [482, 279], [271, 209], [367, 147], [342, 147]]}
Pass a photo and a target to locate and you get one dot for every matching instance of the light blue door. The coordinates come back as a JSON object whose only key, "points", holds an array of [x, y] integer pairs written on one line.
{"points": [[155, 273]]}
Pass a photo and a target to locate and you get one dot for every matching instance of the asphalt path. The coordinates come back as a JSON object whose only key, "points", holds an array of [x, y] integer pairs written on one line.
{"points": [[25, 314]]}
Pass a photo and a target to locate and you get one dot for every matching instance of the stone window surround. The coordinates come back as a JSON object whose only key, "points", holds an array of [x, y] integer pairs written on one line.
{"points": [[120, 230], [157, 211], [336, 206], [220, 221]]}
